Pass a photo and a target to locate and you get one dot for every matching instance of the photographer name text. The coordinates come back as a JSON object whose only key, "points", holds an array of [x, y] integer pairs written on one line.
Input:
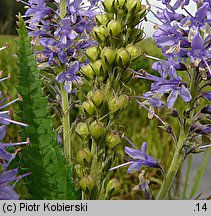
{"points": [[44, 207]]}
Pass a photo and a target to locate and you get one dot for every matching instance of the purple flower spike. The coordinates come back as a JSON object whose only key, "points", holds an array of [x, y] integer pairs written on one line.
{"points": [[139, 158], [64, 39]]}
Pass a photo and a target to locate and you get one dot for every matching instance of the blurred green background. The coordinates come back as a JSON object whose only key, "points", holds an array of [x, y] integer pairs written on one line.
{"points": [[8, 10]]}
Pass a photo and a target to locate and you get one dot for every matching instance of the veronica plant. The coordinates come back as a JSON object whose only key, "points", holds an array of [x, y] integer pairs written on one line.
{"points": [[186, 44], [8, 177], [117, 32], [60, 28]]}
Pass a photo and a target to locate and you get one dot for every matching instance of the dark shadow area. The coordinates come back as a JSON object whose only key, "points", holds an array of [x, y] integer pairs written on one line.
{"points": [[8, 11]]}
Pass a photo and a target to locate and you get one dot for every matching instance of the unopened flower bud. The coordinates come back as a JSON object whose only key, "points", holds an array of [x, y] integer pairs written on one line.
{"points": [[122, 57], [79, 170], [87, 183], [82, 129], [175, 113], [114, 27], [92, 53], [133, 6], [84, 155], [206, 109], [112, 139], [109, 6], [102, 19], [87, 71], [108, 55], [96, 129], [100, 33], [113, 187], [134, 51], [98, 97], [98, 67], [88, 107]]}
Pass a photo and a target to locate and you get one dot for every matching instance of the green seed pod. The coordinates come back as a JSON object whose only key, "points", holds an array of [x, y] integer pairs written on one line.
{"points": [[89, 95], [102, 19], [133, 6], [84, 155], [87, 183], [123, 101], [134, 51], [96, 129], [109, 6], [114, 27], [98, 67], [100, 33], [126, 75], [112, 105], [87, 71], [112, 140], [119, 3], [98, 97], [82, 129], [88, 107], [142, 12], [118, 103], [92, 53], [113, 187], [79, 170], [136, 19], [108, 55], [136, 35], [122, 57]]}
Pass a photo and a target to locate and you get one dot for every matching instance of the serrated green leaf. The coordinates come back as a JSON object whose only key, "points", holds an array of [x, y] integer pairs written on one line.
{"points": [[51, 178]]}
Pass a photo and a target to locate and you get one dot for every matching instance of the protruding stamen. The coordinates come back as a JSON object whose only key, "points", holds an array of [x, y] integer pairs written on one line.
{"points": [[152, 57], [14, 122], [121, 165], [205, 146], [26, 3], [5, 78], [27, 142], [151, 112], [19, 98], [2, 48]]}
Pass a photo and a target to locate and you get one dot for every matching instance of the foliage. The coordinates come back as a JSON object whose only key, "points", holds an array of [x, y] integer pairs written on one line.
{"points": [[51, 178]]}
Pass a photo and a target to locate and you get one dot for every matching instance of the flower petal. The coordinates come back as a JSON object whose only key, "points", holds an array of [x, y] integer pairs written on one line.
{"points": [[135, 154], [172, 98], [7, 193], [3, 131], [198, 42], [185, 94]]}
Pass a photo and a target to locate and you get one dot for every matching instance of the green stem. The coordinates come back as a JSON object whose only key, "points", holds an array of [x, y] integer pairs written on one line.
{"points": [[65, 105], [62, 8], [176, 163], [96, 170], [66, 124]]}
